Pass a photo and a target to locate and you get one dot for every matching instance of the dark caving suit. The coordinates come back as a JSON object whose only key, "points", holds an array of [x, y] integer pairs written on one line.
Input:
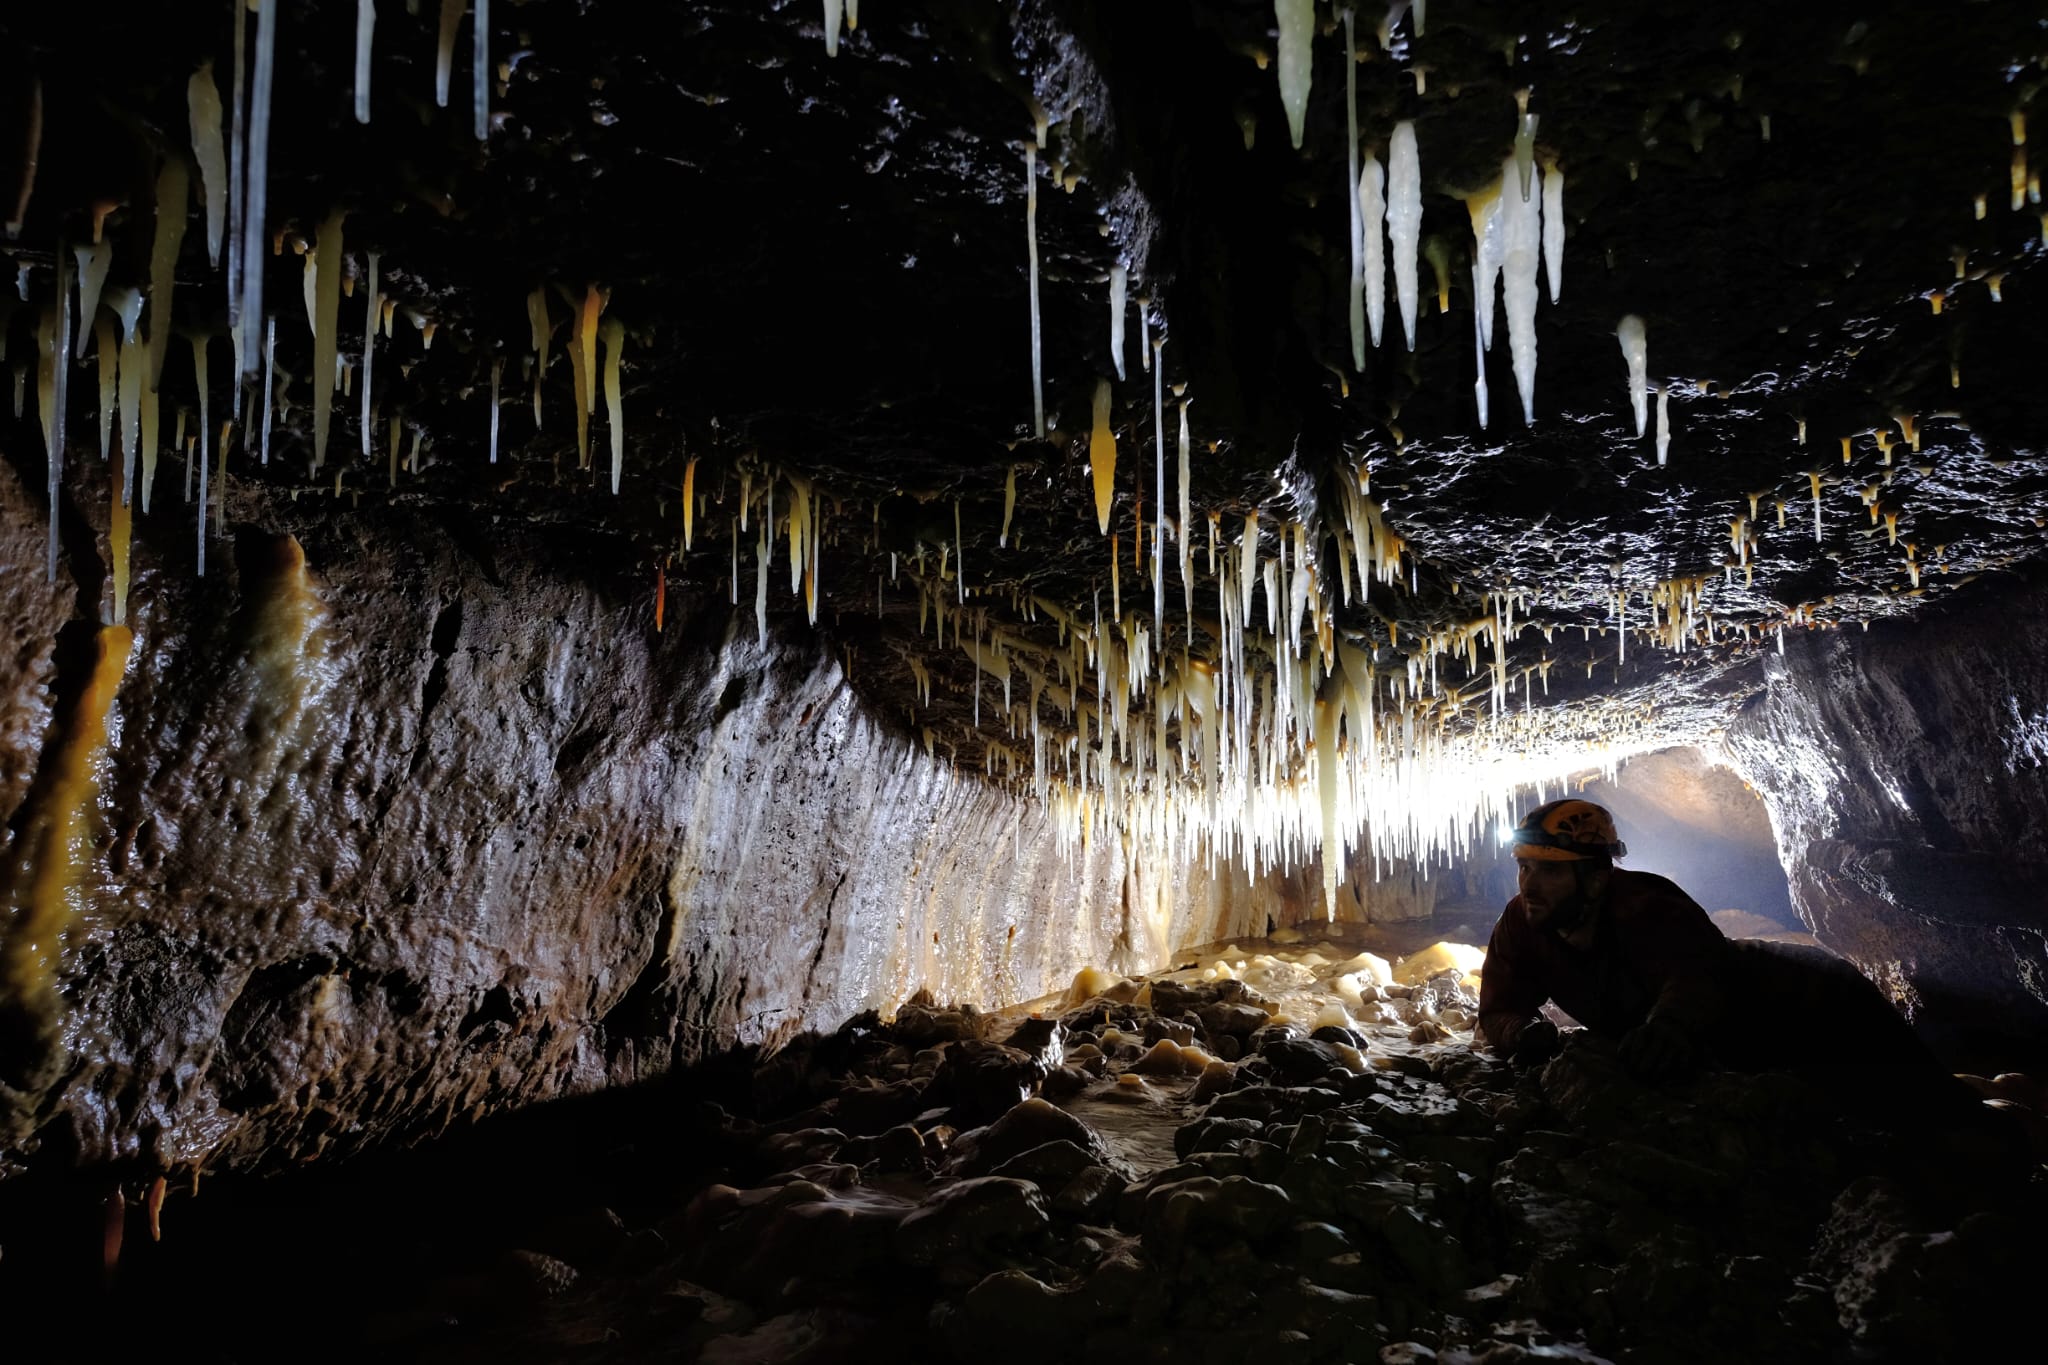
{"points": [[1651, 969], [1746, 1004]]}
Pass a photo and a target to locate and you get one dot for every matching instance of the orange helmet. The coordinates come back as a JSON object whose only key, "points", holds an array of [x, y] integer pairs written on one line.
{"points": [[1568, 831]]}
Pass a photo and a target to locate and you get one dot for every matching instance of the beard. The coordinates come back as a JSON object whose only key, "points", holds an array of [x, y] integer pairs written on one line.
{"points": [[1564, 915]]}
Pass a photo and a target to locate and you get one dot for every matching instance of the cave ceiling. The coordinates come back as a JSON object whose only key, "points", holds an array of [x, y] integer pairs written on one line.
{"points": [[818, 267]]}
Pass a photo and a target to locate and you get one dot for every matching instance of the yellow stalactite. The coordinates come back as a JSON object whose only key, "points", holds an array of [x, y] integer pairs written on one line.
{"points": [[1102, 456], [43, 882]]}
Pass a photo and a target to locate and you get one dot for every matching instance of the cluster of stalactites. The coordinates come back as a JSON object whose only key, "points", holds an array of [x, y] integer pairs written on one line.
{"points": [[124, 327], [1257, 727]]}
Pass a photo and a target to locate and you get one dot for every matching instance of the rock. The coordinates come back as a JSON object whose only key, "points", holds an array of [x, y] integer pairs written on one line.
{"points": [[983, 1079], [970, 1219], [1430, 1110], [1884, 1270], [1011, 1317], [830, 1175], [1211, 1134], [810, 1336], [1171, 998], [1092, 983], [1924, 887], [1031, 1124], [1175, 1030], [1320, 1241], [1121, 1288], [1472, 1156], [1217, 1079], [802, 1147], [902, 1148], [1170, 1059], [1042, 1040], [582, 1237], [1337, 1033], [1276, 976], [1587, 1083], [1406, 1353], [695, 1303], [1301, 1061], [1270, 1033], [868, 1106], [1422, 1246], [533, 1273], [1231, 1021], [1050, 1166], [1091, 1196], [413, 1329], [1089, 1058], [1334, 1319], [1668, 1179], [1064, 1083], [1203, 1206], [799, 1230], [921, 1022]]}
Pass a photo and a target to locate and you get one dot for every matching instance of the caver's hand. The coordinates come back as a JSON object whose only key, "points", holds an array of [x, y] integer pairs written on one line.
{"points": [[1536, 1044], [1657, 1050]]}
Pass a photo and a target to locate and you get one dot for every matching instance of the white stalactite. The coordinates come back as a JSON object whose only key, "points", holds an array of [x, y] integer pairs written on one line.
{"points": [[1119, 284], [1296, 20], [1031, 242], [480, 67], [1522, 246], [256, 191], [370, 310], [1553, 230], [1635, 349], [366, 27], [1404, 218], [202, 99], [1354, 193], [1372, 210], [1488, 247]]}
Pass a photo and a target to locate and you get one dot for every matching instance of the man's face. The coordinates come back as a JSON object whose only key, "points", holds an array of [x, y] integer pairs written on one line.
{"points": [[1550, 892]]}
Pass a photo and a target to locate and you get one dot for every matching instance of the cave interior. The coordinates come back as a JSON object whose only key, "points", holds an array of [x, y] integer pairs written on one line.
{"points": [[529, 835]]}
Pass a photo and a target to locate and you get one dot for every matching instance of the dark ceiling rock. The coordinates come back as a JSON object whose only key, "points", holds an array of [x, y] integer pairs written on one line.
{"points": [[819, 266]]}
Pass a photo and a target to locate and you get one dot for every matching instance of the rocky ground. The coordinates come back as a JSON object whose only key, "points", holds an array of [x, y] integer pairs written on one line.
{"points": [[1283, 1154]]}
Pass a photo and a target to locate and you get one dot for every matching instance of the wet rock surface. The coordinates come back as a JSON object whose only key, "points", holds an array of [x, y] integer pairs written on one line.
{"points": [[1907, 778], [375, 854], [1377, 1201]]}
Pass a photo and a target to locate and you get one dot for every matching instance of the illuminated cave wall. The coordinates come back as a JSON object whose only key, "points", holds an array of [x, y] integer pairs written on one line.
{"points": [[1906, 772], [416, 829]]}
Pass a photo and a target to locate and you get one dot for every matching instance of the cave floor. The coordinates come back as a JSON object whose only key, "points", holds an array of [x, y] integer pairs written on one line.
{"points": [[1211, 1164]]}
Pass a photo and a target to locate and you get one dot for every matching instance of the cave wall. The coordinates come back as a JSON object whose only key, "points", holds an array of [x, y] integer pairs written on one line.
{"points": [[426, 821], [1906, 773]]}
